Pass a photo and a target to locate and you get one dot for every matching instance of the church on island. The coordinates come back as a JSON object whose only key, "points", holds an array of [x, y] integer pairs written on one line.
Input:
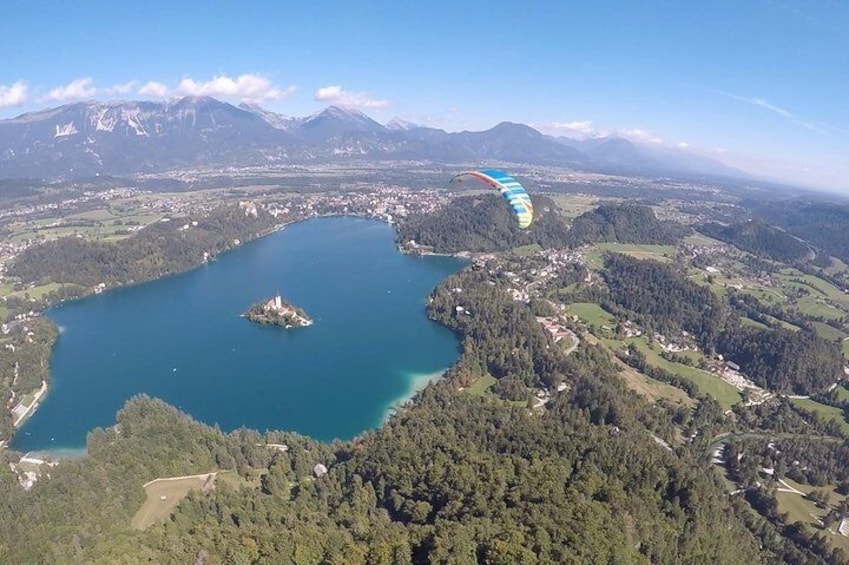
{"points": [[278, 312]]}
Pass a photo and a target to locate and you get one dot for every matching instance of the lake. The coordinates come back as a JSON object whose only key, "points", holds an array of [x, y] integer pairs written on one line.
{"points": [[182, 339]]}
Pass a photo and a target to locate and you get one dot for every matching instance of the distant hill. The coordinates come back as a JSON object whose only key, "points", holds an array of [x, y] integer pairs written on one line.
{"points": [[624, 223], [125, 138], [823, 224], [760, 239], [617, 154]]}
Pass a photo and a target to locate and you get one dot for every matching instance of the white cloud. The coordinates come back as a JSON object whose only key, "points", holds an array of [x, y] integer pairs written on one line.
{"points": [[771, 107], [336, 95], [14, 95], [79, 89], [154, 89], [577, 128], [783, 112], [682, 145], [122, 88], [639, 135], [248, 87]]}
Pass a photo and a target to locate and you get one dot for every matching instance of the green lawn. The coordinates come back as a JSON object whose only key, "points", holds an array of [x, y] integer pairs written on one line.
{"points": [[573, 206], [823, 411], [812, 307], [827, 332], [653, 389], [744, 321], [640, 251], [37, 291], [700, 239], [162, 497], [823, 286], [591, 313], [800, 509], [842, 393], [785, 325], [482, 385], [526, 250]]}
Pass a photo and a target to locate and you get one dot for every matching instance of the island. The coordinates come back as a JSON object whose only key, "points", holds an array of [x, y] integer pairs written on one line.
{"points": [[278, 312]]}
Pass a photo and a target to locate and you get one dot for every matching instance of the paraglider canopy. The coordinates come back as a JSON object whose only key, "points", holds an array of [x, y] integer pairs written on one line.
{"points": [[510, 189]]}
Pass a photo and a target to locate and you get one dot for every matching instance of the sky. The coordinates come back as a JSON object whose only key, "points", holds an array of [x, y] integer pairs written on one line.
{"points": [[762, 85]]}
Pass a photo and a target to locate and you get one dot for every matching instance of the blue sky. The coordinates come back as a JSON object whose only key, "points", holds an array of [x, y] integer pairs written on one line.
{"points": [[760, 84]]}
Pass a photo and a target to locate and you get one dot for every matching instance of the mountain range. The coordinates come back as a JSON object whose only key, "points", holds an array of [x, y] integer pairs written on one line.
{"points": [[124, 138]]}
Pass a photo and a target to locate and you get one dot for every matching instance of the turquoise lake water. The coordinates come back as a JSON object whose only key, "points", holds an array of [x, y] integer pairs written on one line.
{"points": [[182, 339]]}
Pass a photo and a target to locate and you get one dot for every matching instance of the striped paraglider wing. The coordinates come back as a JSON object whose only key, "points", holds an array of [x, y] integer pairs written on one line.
{"points": [[513, 192]]}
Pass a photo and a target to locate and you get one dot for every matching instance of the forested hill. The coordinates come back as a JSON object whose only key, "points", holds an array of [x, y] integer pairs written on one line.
{"points": [[160, 249], [455, 477], [760, 239], [823, 224], [483, 223], [624, 223], [664, 300]]}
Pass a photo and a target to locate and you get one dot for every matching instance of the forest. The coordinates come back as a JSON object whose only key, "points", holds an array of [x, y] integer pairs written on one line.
{"points": [[627, 222], [664, 301], [160, 249], [760, 239], [823, 224], [797, 362], [453, 478], [483, 223], [598, 475]]}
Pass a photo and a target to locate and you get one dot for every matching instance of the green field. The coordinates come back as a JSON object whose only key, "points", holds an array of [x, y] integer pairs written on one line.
{"points": [[824, 287], [785, 325], [653, 389], [573, 206], [640, 251], [36, 292], [797, 507], [526, 250], [842, 393], [815, 308], [837, 266], [163, 495], [710, 384], [482, 385], [800, 509], [744, 321], [92, 224], [823, 411], [591, 313], [699, 239], [827, 332]]}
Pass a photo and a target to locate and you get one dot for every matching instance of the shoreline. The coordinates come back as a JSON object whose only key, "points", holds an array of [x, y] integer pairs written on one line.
{"points": [[416, 382]]}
